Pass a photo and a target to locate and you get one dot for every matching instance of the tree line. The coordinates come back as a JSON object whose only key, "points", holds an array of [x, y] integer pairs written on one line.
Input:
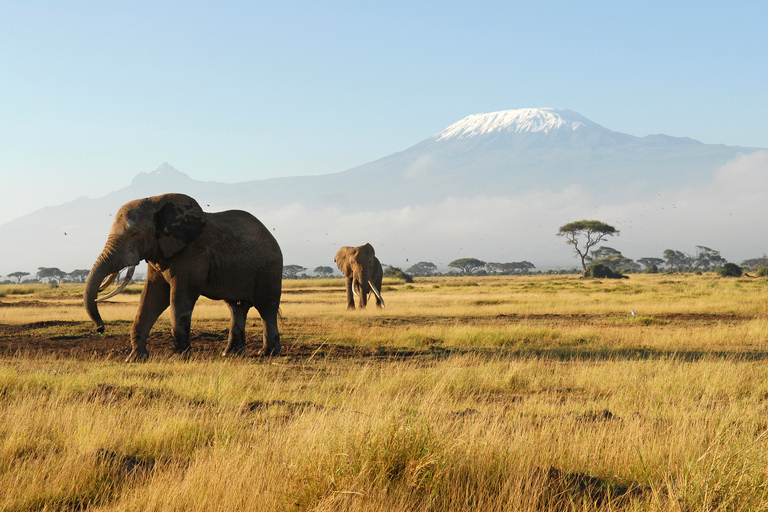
{"points": [[704, 259], [50, 275], [423, 269], [603, 261], [583, 236]]}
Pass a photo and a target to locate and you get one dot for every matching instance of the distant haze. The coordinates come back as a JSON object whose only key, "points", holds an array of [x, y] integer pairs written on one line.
{"points": [[492, 186]]}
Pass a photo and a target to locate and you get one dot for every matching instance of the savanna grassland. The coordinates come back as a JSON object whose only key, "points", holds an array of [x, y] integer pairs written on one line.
{"points": [[481, 393]]}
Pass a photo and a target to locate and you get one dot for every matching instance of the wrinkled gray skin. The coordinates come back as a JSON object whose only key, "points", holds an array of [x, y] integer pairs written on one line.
{"points": [[363, 271], [227, 256]]}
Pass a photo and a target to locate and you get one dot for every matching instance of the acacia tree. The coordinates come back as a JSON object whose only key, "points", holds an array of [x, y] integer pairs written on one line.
{"points": [[423, 268], [323, 271], [467, 265], [750, 264], [510, 268], [650, 263], [79, 275], [18, 276], [708, 259], [292, 271], [612, 259], [591, 231], [52, 274], [677, 260]]}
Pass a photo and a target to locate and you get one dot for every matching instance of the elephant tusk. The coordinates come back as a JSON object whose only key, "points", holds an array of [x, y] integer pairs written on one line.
{"points": [[108, 281], [377, 293], [126, 281]]}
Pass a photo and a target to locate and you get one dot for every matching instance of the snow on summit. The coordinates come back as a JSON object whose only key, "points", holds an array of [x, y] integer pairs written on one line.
{"points": [[519, 121]]}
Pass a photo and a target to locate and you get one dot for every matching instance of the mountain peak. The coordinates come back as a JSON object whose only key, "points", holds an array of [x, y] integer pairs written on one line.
{"points": [[166, 169], [165, 174], [521, 120]]}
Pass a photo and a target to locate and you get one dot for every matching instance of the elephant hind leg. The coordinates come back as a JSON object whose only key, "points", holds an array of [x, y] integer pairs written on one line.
{"points": [[236, 341], [271, 334]]}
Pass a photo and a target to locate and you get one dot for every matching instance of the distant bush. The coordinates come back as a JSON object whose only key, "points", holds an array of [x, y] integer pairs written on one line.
{"points": [[653, 269], [397, 273], [729, 270], [600, 271], [755, 263], [762, 271]]}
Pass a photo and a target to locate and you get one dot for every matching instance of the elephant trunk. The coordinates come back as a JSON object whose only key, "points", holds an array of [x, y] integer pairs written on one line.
{"points": [[109, 262], [361, 280]]}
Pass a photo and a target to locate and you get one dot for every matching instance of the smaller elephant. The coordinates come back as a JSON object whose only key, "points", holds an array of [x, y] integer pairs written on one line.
{"points": [[363, 271]]}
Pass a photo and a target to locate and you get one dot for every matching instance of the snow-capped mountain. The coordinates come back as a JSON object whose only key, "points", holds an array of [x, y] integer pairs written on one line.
{"points": [[481, 160], [516, 121], [513, 151]]}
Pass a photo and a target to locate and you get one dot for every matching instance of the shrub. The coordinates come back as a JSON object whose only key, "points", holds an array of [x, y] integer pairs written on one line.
{"points": [[762, 272], [729, 270], [599, 271], [397, 273]]}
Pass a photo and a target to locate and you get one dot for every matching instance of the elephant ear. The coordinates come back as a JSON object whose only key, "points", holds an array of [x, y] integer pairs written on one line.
{"points": [[342, 259], [177, 223]]}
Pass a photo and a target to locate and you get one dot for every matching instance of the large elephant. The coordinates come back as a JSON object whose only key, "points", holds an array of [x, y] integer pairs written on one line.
{"points": [[363, 271], [227, 256]]}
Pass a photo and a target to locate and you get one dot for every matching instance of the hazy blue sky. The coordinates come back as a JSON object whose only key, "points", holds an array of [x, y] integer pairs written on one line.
{"points": [[92, 93]]}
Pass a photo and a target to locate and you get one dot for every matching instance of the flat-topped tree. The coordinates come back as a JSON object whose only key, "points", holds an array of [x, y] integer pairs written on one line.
{"points": [[18, 276], [79, 275], [52, 274], [423, 268], [591, 232], [467, 265], [292, 271], [323, 271], [651, 263]]}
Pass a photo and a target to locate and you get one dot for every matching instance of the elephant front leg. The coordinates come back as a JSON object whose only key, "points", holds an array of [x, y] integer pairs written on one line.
{"points": [[350, 295], [236, 341], [154, 300]]}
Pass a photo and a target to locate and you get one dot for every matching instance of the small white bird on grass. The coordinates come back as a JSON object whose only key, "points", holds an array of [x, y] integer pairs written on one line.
{"points": [[633, 313]]}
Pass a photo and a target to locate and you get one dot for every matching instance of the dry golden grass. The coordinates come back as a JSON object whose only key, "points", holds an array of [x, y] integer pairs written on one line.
{"points": [[524, 393]]}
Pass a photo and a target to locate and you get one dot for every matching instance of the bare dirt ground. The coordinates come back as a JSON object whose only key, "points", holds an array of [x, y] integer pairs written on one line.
{"points": [[81, 342]]}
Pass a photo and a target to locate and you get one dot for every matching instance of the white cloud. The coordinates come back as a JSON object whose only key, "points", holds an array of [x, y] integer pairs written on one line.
{"points": [[728, 215]]}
